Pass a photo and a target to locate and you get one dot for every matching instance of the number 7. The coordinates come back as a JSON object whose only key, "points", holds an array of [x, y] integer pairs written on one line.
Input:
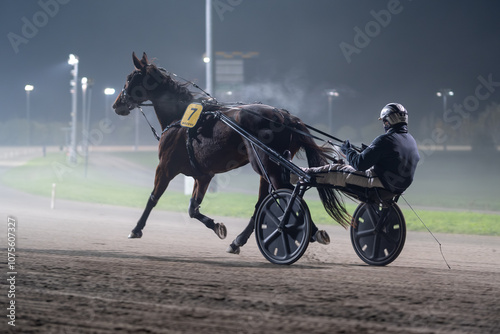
{"points": [[195, 109]]}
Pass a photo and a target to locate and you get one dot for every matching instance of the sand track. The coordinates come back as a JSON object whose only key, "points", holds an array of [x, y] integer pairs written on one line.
{"points": [[78, 273]]}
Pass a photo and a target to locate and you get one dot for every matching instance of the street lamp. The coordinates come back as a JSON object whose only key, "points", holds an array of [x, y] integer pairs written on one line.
{"points": [[73, 61], [331, 94], [108, 91], [444, 93], [28, 89]]}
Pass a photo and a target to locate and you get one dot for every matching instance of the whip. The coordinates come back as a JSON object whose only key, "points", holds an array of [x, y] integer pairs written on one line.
{"points": [[440, 246]]}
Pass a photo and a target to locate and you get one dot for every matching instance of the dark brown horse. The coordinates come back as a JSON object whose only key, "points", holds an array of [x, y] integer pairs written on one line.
{"points": [[213, 147]]}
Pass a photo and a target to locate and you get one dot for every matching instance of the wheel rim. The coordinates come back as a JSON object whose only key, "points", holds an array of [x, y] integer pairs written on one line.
{"points": [[287, 245]]}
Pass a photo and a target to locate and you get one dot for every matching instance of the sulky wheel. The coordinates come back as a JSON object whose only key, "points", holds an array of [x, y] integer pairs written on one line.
{"points": [[282, 243], [378, 233]]}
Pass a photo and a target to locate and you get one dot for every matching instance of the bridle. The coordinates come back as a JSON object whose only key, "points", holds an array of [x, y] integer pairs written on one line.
{"points": [[126, 98], [131, 103]]}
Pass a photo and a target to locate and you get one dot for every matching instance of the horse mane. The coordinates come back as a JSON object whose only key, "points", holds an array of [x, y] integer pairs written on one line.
{"points": [[178, 90]]}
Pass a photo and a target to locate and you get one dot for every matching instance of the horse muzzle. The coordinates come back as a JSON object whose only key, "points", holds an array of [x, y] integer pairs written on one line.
{"points": [[123, 105], [121, 110]]}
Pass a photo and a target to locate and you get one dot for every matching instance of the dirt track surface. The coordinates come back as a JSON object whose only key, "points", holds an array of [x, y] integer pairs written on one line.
{"points": [[78, 273]]}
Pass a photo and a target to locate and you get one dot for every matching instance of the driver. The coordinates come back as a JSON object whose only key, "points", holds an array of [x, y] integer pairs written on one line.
{"points": [[389, 162]]}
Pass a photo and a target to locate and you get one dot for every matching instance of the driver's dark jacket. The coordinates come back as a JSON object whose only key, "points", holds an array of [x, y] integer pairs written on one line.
{"points": [[393, 156]]}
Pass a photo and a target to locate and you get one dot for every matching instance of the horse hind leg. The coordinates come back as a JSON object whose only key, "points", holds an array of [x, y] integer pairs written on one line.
{"points": [[242, 238], [279, 180], [199, 190]]}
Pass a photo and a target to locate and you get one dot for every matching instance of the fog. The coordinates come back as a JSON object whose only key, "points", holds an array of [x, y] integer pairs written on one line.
{"points": [[370, 52]]}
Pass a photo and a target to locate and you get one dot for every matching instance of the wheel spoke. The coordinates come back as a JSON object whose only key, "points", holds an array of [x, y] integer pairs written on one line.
{"points": [[364, 233], [374, 217], [270, 216], [383, 219], [271, 237], [281, 203], [376, 246], [296, 221], [285, 245]]}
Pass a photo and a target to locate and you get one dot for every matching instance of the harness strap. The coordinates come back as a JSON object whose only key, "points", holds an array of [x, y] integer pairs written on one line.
{"points": [[263, 169], [178, 123], [189, 147], [189, 141]]}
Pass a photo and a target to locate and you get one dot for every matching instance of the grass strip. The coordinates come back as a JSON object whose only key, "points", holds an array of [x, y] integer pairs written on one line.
{"points": [[38, 175]]}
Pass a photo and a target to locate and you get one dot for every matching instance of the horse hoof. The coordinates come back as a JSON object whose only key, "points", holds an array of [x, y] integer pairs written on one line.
{"points": [[220, 230], [233, 249], [134, 235], [322, 237]]}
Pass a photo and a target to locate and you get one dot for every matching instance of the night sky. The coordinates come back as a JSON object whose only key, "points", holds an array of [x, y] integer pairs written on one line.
{"points": [[406, 56]]}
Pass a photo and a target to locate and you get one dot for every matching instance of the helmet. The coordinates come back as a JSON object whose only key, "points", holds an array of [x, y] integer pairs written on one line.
{"points": [[394, 113]]}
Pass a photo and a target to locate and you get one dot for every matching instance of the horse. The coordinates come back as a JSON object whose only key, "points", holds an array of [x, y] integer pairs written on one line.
{"points": [[213, 147]]}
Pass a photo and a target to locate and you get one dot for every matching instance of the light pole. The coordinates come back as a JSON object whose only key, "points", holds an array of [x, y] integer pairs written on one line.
{"points": [[28, 89], [444, 93], [108, 91], [84, 108], [86, 96], [331, 94], [208, 59], [73, 61]]}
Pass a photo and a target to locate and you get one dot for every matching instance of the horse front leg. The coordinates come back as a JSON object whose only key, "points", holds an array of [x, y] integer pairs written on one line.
{"points": [[199, 190], [162, 179]]}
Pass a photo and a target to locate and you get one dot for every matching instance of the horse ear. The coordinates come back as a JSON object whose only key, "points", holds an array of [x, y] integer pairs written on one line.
{"points": [[137, 63], [144, 59]]}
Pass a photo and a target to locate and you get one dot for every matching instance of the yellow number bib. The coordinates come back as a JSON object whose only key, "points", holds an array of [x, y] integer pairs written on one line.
{"points": [[191, 115]]}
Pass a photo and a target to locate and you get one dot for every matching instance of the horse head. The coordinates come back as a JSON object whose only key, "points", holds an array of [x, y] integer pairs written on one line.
{"points": [[145, 83]]}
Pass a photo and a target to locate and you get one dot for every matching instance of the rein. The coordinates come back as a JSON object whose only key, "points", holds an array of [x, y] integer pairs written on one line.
{"points": [[151, 104], [152, 128], [255, 114], [302, 132], [211, 100]]}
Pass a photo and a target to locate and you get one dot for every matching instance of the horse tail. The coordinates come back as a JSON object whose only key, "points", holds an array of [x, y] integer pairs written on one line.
{"points": [[319, 156]]}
